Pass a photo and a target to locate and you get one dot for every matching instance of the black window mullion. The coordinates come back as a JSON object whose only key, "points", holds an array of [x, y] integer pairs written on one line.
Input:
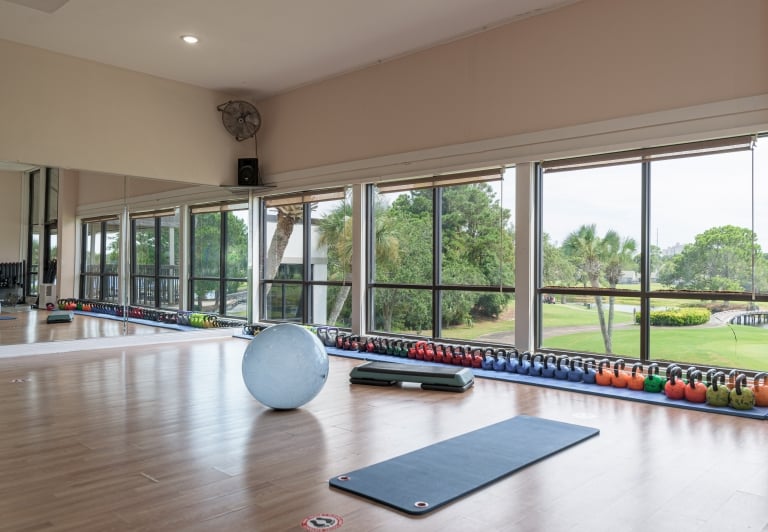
{"points": [[437, 252], [645, 263]]}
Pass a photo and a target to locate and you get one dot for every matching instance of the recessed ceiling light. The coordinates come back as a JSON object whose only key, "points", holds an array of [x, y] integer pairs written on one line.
{"points": [[189, 39]]}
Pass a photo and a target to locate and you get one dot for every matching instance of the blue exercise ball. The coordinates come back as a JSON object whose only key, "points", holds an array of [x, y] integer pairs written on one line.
{"points": [[285, 366]]}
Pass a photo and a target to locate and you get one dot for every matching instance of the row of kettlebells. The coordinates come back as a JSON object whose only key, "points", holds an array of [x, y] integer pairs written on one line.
{"points": [[193, 319], [713, 387]]}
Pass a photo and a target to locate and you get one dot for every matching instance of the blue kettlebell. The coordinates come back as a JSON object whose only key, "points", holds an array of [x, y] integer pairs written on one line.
{"points": [[537, 365], [488, 359], [512, 360], [589, 371], [561, 368], [549, 365], [575, 370], [524, 363], [500, 360]]}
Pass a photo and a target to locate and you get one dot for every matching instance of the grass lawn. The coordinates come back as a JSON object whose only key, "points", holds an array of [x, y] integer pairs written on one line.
{"points": [[704, 346]]}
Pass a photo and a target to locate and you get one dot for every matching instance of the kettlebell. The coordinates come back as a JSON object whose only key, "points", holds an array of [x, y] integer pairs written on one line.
{"points": [[718, 393], [604, 376], [429, 351], [654, 383], [524, 363], [695, 390], [477, 358], [500, 360], [742, 397], [589, 371], [760, 389], [549, 365], [512, 360], [675, 387], [561, 368], [537, 365], [620, 377], [488, 359], [636, 378], [575, 370]]}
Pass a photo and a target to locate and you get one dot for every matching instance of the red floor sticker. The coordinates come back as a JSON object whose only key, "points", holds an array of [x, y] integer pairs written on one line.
{"points": [[322, 522]]}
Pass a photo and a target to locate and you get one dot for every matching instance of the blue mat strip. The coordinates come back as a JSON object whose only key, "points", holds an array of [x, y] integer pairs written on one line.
{"points": [[174, 326], [426, 479]]}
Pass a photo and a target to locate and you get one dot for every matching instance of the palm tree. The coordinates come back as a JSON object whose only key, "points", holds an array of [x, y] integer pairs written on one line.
{"points": [[335, 232], [596, 258], [287, 216], [618, 255]]}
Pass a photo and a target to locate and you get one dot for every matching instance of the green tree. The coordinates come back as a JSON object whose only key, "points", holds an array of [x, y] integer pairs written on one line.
{"points": [[599, 259], [719, 259]]}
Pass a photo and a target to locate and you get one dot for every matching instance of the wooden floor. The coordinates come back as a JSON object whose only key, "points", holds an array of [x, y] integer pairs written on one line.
{"points": [[166, 437], [29, 326]]}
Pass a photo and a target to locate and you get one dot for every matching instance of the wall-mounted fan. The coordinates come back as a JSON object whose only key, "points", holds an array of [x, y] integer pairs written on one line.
{"points": [[240, 118]]}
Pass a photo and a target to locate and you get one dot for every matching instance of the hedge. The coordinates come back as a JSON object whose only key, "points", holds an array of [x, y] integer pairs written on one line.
{"points": [[680, 317]]}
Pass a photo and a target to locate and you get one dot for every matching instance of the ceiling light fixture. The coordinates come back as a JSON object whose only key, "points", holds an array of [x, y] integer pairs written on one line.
{"points": [[189, 39]]}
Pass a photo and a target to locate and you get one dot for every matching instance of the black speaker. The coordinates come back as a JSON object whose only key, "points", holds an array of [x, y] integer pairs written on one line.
{"points": [[248, 172]]}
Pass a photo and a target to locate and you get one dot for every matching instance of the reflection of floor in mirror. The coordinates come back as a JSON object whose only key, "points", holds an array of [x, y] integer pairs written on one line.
{"points": [[30, 334]]}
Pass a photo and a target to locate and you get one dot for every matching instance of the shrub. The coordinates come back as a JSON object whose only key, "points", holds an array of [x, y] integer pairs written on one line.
{"points": [[680, 317]]}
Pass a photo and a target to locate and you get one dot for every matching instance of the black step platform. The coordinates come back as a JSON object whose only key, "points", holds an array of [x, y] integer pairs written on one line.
{"points": [[447, 379]]}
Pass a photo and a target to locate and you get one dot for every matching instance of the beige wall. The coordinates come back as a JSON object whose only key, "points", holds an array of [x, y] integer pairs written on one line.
{"points": [[10, 216], [70, 113], [590, 61], [98, 188], [610, 62]]}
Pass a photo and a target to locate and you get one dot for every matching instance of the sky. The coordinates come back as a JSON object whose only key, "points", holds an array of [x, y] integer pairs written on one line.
{"points": [[688, 196]]}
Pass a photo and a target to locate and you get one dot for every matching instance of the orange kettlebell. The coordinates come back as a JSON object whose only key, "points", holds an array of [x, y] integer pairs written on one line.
{"points": [[636, 378], [675, 387], [620, 377], [604, 376], [760, 389], [695, 390]]}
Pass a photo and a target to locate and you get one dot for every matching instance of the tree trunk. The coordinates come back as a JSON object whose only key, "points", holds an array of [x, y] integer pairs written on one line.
{"points": [[338, 304], [277, 246]]}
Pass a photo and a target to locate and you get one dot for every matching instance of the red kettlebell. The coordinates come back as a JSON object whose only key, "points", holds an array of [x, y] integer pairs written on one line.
{"points": [[760, 389], [695, 390], [620, 377], [412, 350], [468, 357], [370, 345], [439, 353], [448, 355], [675, 387], [429, 352], [477, 358], [636, 378], [604, 376]]}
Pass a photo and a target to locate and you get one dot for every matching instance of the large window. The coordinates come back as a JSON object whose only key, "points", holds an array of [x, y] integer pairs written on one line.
{"points": [[657, 254], [155, 260], [442, 257], [100, 260], [306, 245], [219, 265]]}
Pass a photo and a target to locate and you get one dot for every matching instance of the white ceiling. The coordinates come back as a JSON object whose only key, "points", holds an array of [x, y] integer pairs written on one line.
{"points": [[251, 48]]}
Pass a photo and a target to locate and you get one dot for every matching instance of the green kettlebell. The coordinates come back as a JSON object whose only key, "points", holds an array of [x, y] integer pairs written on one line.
{"points": [[742, 397], [717, 392], [654, 383]]}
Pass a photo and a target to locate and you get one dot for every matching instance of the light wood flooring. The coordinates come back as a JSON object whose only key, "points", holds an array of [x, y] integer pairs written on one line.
{"points": [[166, 437]]}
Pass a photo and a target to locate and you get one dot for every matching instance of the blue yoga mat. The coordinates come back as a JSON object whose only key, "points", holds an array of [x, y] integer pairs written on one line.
{"points": [[424, 480]]}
